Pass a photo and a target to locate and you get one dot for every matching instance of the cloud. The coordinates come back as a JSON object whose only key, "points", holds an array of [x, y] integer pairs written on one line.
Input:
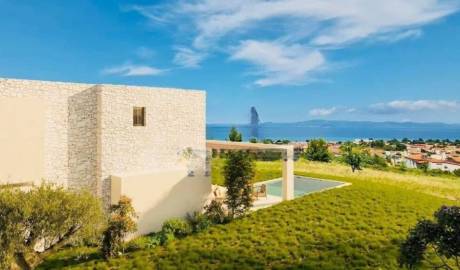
{"points": [[322, 111], [144, 53], [188, 58], [130, 70], [404, 106], [320, 25], [279, 63]]}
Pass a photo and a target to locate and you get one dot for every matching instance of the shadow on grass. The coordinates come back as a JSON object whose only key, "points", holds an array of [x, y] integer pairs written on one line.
{"points": [[69, 259]]}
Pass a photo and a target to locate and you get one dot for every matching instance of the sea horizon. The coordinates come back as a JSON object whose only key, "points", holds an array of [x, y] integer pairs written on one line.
{"points": [[338, 130]]}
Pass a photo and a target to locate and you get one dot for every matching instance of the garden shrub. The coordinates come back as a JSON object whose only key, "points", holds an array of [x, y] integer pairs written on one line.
{"points": [[36, 222], [457, 172], [215, 212], [121, 223], [198, 221], [176, 226], [153, 241]]}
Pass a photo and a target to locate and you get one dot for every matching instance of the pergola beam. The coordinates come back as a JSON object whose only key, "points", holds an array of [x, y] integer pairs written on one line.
{"points": [[288, 159]]}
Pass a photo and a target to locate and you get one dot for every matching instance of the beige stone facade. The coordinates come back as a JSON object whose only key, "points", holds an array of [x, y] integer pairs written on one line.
{"points": [[83, 134]]}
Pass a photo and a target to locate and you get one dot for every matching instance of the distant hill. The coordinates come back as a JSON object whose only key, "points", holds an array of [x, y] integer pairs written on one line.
{"points": [[350, 124]]}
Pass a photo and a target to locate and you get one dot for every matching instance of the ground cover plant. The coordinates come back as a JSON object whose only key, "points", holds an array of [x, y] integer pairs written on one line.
{"points": [[355, 227]]}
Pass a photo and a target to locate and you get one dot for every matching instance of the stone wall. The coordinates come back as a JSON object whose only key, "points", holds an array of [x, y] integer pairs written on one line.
{"points": [[89, 132], [83, 139], [175, 121]]}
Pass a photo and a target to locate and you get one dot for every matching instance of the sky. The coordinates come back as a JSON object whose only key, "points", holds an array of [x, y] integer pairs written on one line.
{"points": [[294, 60]]}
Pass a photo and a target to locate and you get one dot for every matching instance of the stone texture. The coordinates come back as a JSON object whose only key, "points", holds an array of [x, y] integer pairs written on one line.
{"points": [[89, 134]]}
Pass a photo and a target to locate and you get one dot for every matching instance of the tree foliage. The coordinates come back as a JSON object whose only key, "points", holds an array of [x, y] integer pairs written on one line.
{"points": [[441, 235], [121, 223], [36, 222], [352, 155], [234, 135], [238, 173], [318, 151]]}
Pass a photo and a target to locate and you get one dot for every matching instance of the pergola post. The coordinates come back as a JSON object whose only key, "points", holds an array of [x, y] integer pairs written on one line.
{"points": [[288, 174]]}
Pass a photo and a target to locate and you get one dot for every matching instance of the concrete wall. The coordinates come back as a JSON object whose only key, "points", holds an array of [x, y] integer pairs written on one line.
{"points": [[162, 195], [22, 125]]}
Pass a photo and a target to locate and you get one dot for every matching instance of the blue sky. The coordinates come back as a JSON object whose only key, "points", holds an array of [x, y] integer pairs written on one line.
{"points": [[394, 60]]}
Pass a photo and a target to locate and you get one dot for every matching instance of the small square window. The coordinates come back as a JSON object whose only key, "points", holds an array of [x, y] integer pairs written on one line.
{"points": [[139, 116]]}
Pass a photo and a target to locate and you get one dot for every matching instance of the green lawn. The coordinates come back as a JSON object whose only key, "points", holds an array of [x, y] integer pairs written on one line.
{"points": [[355, 227]]}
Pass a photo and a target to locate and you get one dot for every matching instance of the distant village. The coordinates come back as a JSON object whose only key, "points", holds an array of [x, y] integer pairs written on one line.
{"points": [[443, 155], [440, 155]]}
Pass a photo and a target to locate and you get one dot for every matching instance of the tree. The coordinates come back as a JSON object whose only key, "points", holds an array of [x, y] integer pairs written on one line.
{"points": [[352, 156], [121, 223], [441, 235], [238, 173], [234, 135], [318, 151], [35, 223], [457, 172]]}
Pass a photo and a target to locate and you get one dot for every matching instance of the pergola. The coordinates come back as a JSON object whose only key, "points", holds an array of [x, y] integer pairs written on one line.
{"points": [[286, 150]]}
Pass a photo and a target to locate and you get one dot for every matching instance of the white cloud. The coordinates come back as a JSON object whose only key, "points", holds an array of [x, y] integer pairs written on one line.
{"points": [[144, 53], [188, 58], [279, 63], [216, 25], [321, 112], [403, 106], [130, 70]]}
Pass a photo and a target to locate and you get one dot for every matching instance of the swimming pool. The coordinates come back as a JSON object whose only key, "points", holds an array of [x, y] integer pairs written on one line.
{"points": [[302, 185]]}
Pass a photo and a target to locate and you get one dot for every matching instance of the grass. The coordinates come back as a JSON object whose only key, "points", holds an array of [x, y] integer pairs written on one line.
{"points": [[355, 227], [265, 170]]}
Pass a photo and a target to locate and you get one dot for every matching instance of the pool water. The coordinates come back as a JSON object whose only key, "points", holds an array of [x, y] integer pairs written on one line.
{"points": [[302, 186]]}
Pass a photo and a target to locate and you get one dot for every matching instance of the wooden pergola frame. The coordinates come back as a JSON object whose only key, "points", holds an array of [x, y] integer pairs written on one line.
{"points": [[286, 150]]}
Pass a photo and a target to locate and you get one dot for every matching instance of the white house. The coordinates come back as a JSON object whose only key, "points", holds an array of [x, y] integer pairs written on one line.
{"points": [[144, 142]]}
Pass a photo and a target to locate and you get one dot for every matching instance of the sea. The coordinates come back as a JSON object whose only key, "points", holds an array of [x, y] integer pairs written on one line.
{"points": [[339, 131]]}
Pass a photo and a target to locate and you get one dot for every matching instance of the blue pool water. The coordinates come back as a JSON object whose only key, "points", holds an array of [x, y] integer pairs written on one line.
{"points": [[302, 186]]}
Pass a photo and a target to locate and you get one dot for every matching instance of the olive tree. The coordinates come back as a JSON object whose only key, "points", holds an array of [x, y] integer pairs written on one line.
{"points": [[441, 236], [36, 222], [352, 156]]}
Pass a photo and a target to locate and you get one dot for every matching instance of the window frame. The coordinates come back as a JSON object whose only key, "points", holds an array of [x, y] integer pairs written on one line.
{"points": [[139, 119]]}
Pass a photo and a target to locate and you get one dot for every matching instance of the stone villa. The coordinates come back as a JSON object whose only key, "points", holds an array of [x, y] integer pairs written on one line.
{"points": [[146, 143]]}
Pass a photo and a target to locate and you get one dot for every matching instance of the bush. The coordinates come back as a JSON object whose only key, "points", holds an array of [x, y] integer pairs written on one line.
{"points": [[234, 135], [121, 223], [375, 162], [318, 151], [177, 227], [457, 172], [47, 216], [198, 222], [215, 212], [441, 235]]}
